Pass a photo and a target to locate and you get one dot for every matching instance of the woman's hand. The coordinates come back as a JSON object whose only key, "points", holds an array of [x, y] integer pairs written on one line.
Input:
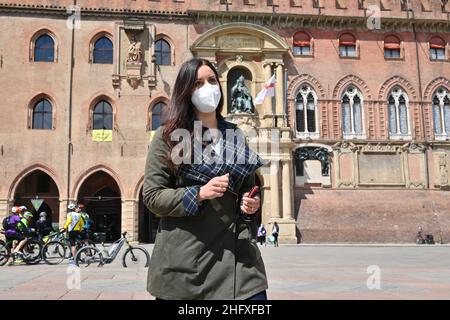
{"points": [[215, 188], [250, 205]]}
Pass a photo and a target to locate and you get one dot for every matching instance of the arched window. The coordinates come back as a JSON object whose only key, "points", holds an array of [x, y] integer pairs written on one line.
{"points": [[103, 116], [42, 115], [437, 48], [302, 44], [441, 113], [347, 45], [162, 52], [306, 106], [157, 115], [352, 113], [103, 51], [44, 49], [391, 47], [398, 113]]}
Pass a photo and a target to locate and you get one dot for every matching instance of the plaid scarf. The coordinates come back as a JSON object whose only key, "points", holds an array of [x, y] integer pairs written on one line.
{"points": [[236, 157]]}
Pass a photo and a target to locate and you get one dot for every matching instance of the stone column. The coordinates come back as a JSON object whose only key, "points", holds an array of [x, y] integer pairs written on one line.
{"points": [[275, 212], [130, 219], [287, 188], [63, 211], [279, 95], [5, 208]]}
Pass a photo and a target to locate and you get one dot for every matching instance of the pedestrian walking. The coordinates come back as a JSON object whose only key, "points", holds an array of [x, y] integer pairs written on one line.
{"points": [[275, 232], [262, 234]]}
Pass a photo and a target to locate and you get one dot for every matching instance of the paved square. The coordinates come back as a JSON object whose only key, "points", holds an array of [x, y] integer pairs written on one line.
{"points": [[294, 271]]}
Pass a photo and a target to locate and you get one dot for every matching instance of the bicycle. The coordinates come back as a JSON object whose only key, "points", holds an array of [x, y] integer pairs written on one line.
{"points": [[30, 253], [58, 248], [137, 256]]}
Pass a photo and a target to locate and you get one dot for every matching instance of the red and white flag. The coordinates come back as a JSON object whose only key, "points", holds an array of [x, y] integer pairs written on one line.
{"points": [[268, 90]]}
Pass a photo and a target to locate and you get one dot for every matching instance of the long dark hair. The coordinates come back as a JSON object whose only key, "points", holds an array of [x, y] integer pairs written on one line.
{"points": [[181, 110]]}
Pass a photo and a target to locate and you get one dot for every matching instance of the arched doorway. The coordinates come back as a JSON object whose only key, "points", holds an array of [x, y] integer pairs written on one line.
{"points": [[148, 223], [233, 75], [101, 195], [39, 193]]}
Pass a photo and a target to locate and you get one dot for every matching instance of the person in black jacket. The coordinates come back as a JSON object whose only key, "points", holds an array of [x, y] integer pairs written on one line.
{"points": [[43, 226]]}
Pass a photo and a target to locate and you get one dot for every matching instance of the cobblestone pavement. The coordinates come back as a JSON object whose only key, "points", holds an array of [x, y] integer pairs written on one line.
{"points": [[294, 271]]}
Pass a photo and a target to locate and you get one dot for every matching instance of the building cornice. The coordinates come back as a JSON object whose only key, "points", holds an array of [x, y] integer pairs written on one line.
{"points": [[283, 20], [95, 12]]}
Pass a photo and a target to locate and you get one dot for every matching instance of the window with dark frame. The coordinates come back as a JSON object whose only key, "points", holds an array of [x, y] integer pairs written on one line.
{"points": [[44, 49], [103, 51], [163, 52], [302, 44], [157, 115], [42, 115], [347, 45], [437, 48], [392, 47], [103, 116]]}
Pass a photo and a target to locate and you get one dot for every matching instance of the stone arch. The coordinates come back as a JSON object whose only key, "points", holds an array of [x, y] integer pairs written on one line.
{"points": [[138, 186], [87, 173], [433, 86], [29, 169], [342, 84], [390, 83], [305, 78]]}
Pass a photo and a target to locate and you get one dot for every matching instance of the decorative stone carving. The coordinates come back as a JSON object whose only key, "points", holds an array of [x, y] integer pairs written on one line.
{"points": [[379, 148], [239, 58], [344, 146], [413, 147], [351, 79], [443, 170], [312, 153], [134, 63]]}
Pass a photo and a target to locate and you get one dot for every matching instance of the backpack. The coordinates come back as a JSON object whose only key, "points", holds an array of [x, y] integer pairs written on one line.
{"points": [[86, 221], [8, 225]]}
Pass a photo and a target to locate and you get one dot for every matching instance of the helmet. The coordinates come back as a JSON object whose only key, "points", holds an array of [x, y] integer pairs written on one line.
{"points": [[71, 206], [14, 209], [23, 208], [43, 214], [81, 206], [28, 214]]}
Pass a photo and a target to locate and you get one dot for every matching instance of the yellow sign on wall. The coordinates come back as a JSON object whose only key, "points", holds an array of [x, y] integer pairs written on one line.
{"points": [[102, 135]]}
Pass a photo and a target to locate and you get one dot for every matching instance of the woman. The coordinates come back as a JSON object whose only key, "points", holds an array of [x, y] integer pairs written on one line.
{"points": [[261, 234], [204, 247], [275, 232]]}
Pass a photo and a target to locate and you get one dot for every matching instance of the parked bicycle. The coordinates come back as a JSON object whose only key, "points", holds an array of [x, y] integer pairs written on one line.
{"points": [[30, 253], [133, 256], [58, 249]]}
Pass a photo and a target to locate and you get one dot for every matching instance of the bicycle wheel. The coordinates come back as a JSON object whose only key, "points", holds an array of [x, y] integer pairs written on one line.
{"points": [[32, 251], [4, 253], [54, 252], [88, 255], [135, 257]]}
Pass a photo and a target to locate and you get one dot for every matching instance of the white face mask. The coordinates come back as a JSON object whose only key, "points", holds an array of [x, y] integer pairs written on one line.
{"points": [[206, 98]]}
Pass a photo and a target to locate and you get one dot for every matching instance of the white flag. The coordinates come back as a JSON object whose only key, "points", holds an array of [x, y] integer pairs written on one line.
{"points": [[268, 90]]}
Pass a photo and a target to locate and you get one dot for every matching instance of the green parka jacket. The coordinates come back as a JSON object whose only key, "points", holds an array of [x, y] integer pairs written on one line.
{"points": [[212, 255]]}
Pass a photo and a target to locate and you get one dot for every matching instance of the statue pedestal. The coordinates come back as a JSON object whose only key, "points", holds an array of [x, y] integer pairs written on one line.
{"points": [[244, 121]]}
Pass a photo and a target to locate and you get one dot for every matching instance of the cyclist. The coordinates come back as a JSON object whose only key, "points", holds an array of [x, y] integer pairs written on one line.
{"points": [[74, 224], [10, 224], [86, 220], [43, 226], [24, 225]]}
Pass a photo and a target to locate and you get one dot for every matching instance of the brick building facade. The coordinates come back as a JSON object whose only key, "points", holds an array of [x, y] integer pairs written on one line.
{"points": [[361, 111]]}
